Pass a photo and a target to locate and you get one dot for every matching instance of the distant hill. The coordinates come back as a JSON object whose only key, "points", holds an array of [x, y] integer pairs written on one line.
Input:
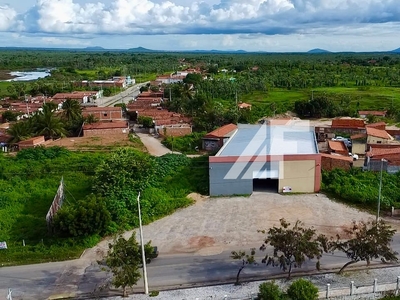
{"points": [[142, 50], [318, 50], [95, 48], [396, 50]]}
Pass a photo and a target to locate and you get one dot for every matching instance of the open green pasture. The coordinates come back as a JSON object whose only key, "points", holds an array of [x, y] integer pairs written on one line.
{"points": [[368, 98]]}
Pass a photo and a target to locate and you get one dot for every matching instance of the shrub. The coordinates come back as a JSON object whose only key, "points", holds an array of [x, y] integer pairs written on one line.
{"points": [[83, 219], [302, 289], [269, 291]]}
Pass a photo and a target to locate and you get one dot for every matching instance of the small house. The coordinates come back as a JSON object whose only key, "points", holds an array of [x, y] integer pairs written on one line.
{"points": [[214, 140]]}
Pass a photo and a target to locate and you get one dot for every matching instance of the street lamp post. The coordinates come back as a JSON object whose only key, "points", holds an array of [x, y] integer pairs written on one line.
{"points": [[146, 287], [380, 191]]}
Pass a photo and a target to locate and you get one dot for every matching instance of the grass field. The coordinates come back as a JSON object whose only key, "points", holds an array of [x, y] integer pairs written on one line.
{"points": [[28, 187], [3, 88], [372, 98]]}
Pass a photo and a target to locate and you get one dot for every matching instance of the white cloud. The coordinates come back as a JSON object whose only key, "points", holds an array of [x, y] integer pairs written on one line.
{"points": [[228, 16], [7, 17], [212, 24]]}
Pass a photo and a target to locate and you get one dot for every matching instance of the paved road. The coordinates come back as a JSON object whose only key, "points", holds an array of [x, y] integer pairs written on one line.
{"points": [[70, 278], [123, 97]]}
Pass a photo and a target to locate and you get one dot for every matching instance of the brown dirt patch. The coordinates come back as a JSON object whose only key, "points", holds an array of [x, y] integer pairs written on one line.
{"points": [[98, 143], [201, 242], [197, 197], [5, 75]]}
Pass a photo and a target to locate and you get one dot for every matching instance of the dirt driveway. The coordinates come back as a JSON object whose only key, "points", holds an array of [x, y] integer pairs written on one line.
{"points": [[213, 225], [153, 145]]}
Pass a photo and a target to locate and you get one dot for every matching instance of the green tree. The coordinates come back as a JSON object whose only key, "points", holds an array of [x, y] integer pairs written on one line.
{"points": [[147, 122], [269, 291], [9, 116], [124, 260], [71, 110], [47, 123], [124, 169], [302, 289], [293, 245], [85, 218], [245, 259], [368, 240], [20, 131], [91, 118], [193, 78]]}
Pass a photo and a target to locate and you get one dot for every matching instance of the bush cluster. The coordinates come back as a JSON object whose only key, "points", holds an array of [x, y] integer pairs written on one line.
{"points": [[300, 289], [361, 187]]}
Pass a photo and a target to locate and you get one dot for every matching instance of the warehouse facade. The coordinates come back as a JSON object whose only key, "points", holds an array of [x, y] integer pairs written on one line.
{"points": [[272, 157]]}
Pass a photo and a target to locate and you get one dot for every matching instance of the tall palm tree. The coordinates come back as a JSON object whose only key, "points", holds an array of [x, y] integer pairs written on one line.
{"points": [[72, 110], [20, 131], [47, 123]]}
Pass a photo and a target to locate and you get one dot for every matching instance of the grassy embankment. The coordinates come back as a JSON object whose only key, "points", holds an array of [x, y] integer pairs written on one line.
{"points": [[29, 182]]}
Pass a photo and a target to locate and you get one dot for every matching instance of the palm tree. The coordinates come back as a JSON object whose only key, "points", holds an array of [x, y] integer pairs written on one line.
{"points": [[90, 119], [20, 131], [72, 110], [48, 124]]}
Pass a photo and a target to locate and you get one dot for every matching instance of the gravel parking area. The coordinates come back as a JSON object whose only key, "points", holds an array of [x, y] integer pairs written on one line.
{"points": [[213, 225]]}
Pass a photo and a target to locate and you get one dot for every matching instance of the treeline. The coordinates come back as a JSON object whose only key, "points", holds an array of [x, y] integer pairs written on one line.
{"points": [[264, 70]]}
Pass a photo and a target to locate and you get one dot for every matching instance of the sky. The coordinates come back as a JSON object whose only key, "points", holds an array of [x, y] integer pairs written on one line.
{"points": [[173, 25]]}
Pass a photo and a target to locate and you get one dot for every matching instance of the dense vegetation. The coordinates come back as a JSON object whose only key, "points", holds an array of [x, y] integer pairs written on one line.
{"points": [[188, 144], [272, 83], [29, 182], [361, 188]]}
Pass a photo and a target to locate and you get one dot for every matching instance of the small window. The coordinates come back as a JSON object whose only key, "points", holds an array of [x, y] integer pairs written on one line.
{"points": [[379, 142], [105, 115]]}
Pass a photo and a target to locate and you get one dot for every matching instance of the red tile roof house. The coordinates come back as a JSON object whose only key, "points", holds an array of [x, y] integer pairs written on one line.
{"points": [[338, 147], [104, 113], [80, 96], [373, 161], [377, 136], [106, 128], [376, 113], [214, 140], [377, 125]]}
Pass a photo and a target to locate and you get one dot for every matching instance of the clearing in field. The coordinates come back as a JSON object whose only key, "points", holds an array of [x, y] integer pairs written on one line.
{"points": [[99, 143]]}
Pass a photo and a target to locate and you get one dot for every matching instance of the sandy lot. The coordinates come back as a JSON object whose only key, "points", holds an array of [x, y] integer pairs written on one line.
{"points": [[213, 225], [105, 142]]}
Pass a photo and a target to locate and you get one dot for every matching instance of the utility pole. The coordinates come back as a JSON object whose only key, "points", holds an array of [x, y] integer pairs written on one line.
{"points": [[380, 192], [237, 107], [146, 287]]}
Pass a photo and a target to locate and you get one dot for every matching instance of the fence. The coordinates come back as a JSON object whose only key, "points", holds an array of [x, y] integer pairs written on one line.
{"points": [[374, 290], [353, 291]]}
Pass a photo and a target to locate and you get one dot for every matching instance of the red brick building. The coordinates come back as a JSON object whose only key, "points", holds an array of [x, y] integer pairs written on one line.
{"points": [[106, 128], [104, 113], [334, 161], [31, 143]]}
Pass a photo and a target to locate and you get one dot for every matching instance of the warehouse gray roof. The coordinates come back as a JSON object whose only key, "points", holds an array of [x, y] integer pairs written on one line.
{"points": [[254, 140]]}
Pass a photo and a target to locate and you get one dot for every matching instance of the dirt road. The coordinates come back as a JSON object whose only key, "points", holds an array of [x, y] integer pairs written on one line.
{"points": [[153, 145]]}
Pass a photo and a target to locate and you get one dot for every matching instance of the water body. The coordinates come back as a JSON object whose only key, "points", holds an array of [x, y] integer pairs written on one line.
{"points": [[28, 76]]}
